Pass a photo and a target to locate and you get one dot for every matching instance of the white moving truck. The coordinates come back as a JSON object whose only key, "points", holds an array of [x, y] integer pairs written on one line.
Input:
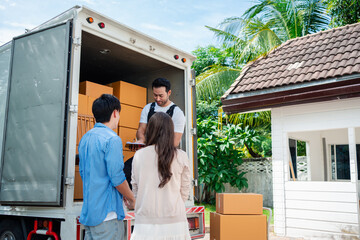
{"points": [[40, 73]]}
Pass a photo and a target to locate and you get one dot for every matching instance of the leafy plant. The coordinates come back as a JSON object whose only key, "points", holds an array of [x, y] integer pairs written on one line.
{"points": [[207, 57], [343, 12], [219, 157]]}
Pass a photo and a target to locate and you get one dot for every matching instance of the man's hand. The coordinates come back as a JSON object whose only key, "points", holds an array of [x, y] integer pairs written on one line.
{"points": [[140, 133], [129, 204], [127, 194]]}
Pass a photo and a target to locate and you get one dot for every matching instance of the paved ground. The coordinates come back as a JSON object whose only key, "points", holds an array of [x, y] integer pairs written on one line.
{"points": [[272, 236]]}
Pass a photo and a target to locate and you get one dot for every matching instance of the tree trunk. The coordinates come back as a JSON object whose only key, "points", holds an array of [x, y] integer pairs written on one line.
{"points": [[252, 153]]}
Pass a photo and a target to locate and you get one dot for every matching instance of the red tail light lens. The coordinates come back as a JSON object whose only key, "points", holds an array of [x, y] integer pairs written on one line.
{"points": [[101, 25]]}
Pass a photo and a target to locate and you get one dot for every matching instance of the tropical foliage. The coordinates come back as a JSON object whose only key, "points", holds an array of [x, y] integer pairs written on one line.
{"points": [[219, 157], [344, 12], [209, 56], [269, 23]]}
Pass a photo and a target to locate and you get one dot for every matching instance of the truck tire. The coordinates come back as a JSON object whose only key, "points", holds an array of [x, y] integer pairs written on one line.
{"points": [[10, 230]]}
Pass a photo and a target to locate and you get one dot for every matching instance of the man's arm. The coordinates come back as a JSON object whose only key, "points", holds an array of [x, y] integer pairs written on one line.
{"points": [[124, 189], [140, 134], [179, 125], [177, 139]]}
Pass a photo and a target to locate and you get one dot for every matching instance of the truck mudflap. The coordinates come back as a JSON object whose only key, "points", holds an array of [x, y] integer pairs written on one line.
{"points": [[195, 216]]}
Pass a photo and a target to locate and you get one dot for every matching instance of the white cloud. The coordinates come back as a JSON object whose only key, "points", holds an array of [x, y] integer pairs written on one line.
{"points": [[2, 7]]}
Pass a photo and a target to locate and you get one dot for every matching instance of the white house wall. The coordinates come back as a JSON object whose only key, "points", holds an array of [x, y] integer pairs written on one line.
{"points": [[315, 209]]}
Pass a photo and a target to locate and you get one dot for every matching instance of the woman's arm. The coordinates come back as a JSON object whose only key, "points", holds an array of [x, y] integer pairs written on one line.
{"points": [[133, 178], [185, 178]]}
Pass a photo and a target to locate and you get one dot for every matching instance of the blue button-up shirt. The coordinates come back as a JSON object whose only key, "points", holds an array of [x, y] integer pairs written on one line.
{"points": [[101, 169]]}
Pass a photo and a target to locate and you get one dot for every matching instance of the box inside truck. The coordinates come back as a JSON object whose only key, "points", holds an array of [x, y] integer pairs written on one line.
{"points": [[107, 67]]}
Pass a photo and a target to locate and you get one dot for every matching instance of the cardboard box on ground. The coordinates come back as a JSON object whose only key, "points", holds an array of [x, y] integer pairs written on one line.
{"points": [[132, 99], [238, 216]]}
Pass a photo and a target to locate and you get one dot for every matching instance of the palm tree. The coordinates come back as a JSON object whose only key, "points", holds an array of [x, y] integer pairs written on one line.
{"points": [[269, 23], [263, 27]]}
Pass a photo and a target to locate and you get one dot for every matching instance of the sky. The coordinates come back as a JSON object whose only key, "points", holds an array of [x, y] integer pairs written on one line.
{"points": [[179, 23]]}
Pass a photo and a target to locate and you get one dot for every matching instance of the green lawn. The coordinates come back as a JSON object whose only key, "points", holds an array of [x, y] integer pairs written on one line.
{"points": [[212, 208]]}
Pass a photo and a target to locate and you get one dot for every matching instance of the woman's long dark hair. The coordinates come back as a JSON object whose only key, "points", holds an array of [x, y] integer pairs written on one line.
{"points": [[160, 132]]}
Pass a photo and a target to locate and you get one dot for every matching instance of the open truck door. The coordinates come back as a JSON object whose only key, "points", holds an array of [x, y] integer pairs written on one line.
{"points": [[34, 146]]}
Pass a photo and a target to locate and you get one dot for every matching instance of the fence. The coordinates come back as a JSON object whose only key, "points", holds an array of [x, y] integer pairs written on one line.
{"points": [[259, 176]]}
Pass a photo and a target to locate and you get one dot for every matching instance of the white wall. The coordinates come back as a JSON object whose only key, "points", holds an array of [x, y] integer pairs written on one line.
{"points": [[293, 200]]}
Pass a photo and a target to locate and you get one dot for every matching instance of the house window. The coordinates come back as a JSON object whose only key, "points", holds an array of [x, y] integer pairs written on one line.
{"points": [[340, 161], [298, 160]]}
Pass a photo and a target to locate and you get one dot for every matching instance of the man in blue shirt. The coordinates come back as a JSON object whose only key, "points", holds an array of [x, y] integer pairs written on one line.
{"points": [[101, 169]]}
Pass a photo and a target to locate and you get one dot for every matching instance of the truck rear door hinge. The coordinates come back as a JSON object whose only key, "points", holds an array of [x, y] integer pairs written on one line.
{"points": [[77, 42], [69, 181], [73, 108], [195, 182], [193, 131], [192, 82]]}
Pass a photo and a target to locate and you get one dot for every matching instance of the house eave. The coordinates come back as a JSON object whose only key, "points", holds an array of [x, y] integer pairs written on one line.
{"points": [[313, 93]]}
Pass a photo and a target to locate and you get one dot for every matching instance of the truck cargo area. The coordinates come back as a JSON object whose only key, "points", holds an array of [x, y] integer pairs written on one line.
{"points": [[104, 62]]}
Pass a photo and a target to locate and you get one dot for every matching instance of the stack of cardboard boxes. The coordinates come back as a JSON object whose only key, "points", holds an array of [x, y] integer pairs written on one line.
{"points": [[132, 99], [238, 216]]}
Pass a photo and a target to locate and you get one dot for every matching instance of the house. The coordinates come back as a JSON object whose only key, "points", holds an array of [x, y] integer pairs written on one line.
{"points": [[312, 87]]}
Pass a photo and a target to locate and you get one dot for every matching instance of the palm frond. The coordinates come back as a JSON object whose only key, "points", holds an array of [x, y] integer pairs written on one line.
{"points": [[212, 84], [253, 119]]}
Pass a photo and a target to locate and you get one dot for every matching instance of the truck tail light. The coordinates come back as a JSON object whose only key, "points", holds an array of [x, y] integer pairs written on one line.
{"points": [[176, 57], [90, 20], [193, 223], [101, 25], [183, 60]]}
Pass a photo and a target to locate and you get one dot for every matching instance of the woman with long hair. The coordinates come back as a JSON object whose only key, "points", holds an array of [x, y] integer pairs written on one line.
{"points": [[161, 184]]}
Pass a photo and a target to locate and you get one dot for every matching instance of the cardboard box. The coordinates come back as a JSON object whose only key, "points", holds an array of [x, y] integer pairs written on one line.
{"points": [[130, 94], [83, 104], [78, 188], [89, 105], [239, 203], [129, 116], [94, 89], [230, 227], [127, 135], [127, 155]]}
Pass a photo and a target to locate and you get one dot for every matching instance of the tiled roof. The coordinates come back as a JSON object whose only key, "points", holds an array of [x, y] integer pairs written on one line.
{"points": [[318, 56]]}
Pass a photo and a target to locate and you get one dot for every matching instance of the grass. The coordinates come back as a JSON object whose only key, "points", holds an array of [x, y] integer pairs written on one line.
{"points": [[212, 208], [208, 209]]}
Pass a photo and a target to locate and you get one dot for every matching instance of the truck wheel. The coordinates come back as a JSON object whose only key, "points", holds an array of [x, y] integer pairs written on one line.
{"points": [[10, 230]]}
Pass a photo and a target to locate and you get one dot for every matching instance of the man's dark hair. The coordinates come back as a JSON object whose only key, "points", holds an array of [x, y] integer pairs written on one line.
{"points": [[161, 82], [104, 106]]}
